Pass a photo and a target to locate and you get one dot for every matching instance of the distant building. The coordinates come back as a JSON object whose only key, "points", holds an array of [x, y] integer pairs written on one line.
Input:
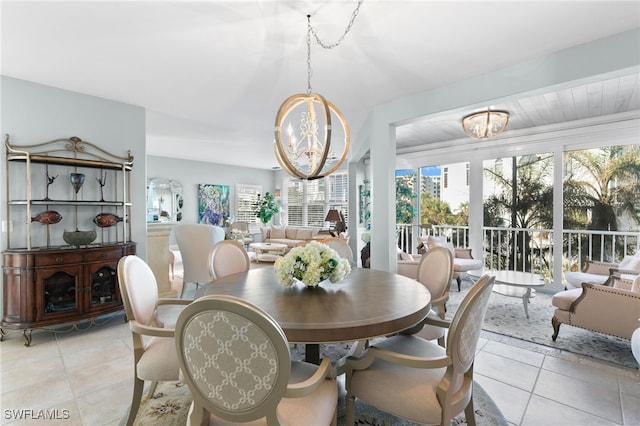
{"points": [[431, 185], [454, 185]]}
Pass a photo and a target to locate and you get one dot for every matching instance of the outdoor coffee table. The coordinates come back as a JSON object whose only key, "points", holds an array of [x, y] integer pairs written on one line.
{"points": [[513, 284], [268, 252]]}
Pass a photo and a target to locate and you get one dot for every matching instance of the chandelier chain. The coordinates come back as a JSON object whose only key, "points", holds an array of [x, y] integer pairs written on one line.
{"points": [[311, 30], [346, 31]]}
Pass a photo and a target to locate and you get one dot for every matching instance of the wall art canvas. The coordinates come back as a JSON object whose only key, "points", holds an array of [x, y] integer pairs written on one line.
{"points": [[213, 204]]}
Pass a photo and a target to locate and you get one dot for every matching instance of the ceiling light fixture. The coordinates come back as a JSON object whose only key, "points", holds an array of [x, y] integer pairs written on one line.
{"points": [[310, 147], [485, 124]]}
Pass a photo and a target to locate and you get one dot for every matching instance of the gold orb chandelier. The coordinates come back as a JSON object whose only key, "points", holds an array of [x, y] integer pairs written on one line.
{"points": [[309, 144], [485, 124]]}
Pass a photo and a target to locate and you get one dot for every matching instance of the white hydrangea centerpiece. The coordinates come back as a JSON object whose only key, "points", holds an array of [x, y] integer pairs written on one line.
{"points": [[311, 264]]}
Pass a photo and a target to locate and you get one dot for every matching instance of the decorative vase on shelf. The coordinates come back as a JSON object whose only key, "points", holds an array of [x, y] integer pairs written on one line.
{"points": [[77, 180]]}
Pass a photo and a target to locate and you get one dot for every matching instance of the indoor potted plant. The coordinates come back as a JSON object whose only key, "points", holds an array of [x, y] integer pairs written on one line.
{"points": [[266, 207]]}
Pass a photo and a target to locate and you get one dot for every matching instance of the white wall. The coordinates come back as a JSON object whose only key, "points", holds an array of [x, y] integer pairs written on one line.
{"points": [[192, 173], [33, 113]]}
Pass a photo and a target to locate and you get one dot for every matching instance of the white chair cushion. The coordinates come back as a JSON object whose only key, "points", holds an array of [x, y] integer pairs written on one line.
{"points": [[564, 299], [463, 265], [159, 362], [420, 402], [575, 279]]}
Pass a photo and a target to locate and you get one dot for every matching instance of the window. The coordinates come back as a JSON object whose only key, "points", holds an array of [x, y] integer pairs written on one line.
{"points": [[339, 193], [246, 197], [315, 202], [445, 177], [294, 191], [307, 202]]}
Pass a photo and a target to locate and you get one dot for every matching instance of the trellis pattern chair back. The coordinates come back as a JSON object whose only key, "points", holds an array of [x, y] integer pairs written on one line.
{"points": [[417, 379], [235, 359], [156, 359], [195, 242], [226, 258], [341, 246]]}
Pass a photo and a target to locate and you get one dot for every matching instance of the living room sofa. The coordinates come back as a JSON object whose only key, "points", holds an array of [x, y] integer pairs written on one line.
{"points": [[292, 236], [611, 308]]}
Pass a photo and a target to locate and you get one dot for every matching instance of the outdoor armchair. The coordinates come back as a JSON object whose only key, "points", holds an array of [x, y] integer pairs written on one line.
{"points": [[463, 261], [598, 272], [612, 308]]}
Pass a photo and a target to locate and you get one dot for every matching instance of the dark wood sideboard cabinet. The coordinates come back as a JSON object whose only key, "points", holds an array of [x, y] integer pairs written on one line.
{"points": [[45, 288], [51, 279]]}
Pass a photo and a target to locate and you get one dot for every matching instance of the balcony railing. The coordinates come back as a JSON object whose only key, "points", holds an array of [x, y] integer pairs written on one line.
{"points": [[531, 249]]}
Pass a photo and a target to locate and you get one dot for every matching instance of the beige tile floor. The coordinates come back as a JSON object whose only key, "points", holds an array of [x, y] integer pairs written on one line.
{"points": [[89, 374]]}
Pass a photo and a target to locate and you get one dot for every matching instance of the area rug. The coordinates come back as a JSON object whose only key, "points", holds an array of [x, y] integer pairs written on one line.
{"points": [[170, 407], [506, 317]]}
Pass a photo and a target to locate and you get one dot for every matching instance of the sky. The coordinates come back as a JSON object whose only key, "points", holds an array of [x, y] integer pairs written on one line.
{"points": [[425, 171]]}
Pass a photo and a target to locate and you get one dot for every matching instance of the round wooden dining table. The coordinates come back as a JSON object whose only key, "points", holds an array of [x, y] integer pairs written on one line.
{"points": [[367, 303]]}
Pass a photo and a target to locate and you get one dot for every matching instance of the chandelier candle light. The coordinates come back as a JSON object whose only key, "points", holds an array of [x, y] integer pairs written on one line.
{"points": [[306, 150]]}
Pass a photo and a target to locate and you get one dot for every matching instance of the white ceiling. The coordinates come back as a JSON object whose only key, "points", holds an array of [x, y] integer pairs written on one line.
{"points": [[212, 74]]}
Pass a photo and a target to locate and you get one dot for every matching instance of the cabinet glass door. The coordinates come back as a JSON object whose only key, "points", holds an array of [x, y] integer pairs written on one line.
{"points": [[60, 292], [103, 286]]}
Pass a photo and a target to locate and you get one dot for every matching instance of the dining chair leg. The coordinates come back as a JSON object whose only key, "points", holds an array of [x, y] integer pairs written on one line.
{"points": [[138, 386], [469, 413], [152, 389], [350, 410], [184, 284]]}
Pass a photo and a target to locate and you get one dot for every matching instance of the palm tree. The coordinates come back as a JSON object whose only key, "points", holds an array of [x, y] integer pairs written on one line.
{"points": [[405, 209], [526, 197], [608, 182], [602, 190]]}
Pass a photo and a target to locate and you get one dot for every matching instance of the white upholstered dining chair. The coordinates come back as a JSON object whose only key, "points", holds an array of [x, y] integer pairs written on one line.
{"points": [[228, 257], [235, 359], [418, 380], [435, 272], [195, 242], [154, 357], [341, 246]]}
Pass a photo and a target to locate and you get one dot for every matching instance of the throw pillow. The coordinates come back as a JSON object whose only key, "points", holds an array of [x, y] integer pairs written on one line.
{"points": [[405, 256], [631, 263], [304, 234], [277, 232], [441, 242], [291, 232], [436, 241], [266, 233]]}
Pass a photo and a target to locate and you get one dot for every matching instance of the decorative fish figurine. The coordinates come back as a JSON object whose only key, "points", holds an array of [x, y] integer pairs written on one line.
{"points": [[105, 220], [48, 217]]}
